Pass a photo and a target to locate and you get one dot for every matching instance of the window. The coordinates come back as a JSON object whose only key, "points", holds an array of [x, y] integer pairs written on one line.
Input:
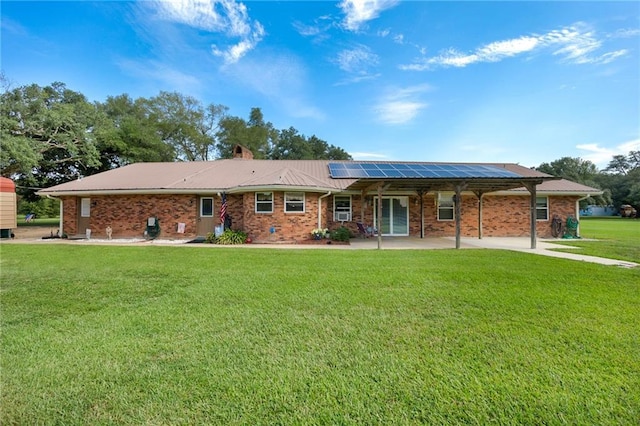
{"points": [[294, 202], [264, 202], [206, 207], [542, 208], [445, 206], [85, 207], [342, 208]]}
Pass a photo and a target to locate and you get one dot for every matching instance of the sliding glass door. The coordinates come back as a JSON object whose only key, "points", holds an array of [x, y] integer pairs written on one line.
{"points": [[394, 220]]}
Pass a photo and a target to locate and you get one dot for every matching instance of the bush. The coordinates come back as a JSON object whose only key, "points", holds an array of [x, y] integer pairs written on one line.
{"points": [[341, 234], [228, 237]]}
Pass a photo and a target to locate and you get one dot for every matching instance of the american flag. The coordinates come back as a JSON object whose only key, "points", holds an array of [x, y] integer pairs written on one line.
{"points": [[223, 208]]}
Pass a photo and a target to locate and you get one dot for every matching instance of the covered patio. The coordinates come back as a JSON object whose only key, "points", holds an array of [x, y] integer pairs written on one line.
{"points": [[433, 178]]}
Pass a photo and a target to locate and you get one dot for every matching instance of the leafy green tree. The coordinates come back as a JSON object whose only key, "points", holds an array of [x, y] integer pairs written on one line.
{"points": [[291, 145], [48, 136], [622, 175], [186, 125], [255, 134], [580, 171], [131, 135]]}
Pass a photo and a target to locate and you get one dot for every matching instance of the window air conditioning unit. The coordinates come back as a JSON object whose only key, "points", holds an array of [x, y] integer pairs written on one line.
{"points": [[342, 216]]}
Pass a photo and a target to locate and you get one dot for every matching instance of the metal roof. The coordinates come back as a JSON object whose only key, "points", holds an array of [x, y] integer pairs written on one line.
{"points": [[240, 175]]}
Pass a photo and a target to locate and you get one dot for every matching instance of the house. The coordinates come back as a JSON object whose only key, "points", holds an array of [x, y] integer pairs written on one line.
{"points": [[284, 200]]}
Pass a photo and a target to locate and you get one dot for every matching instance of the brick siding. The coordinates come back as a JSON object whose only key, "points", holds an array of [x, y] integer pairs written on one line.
{"points": [[127, 216]]}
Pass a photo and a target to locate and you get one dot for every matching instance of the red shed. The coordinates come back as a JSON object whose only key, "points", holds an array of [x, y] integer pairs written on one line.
{"points": [[8, 207]]}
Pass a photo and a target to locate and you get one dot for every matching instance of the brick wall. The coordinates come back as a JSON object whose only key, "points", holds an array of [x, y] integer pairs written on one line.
{"points": [[286, 227], [127, 216], [501, 216]]}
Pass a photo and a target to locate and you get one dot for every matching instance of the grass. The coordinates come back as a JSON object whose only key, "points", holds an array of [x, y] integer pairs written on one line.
{"points": [[47, 221], [616, 238], [210, 335]]}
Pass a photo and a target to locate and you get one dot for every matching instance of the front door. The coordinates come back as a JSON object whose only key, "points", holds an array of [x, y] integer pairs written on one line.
{"points": [[394, 220], [84, 215], [206, 221]]}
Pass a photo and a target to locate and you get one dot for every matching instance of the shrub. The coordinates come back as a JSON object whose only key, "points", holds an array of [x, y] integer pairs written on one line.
{"points": [[341, 234], [228, 237]]}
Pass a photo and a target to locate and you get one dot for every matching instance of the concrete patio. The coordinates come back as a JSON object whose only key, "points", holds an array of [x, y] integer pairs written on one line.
{"points": [[521, 244]]}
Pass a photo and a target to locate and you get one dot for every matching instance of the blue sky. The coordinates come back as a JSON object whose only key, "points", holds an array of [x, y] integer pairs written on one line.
{"points": [[522, 82]]}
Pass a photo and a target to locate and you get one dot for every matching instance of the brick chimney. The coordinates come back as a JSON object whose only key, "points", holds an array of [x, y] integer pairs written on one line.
{"points": [[242, 152]]}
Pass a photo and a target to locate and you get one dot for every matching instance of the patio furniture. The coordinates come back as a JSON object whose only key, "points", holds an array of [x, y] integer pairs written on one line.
{"points": [[365, 232]]}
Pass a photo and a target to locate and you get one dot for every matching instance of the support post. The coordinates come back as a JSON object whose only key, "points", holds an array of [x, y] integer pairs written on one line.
{"points": [[458, 207], [363, 197], [379, 222], [421, 195], [479, 194], [531, 187]]}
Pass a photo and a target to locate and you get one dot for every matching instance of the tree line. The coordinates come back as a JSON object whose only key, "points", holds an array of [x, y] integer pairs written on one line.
{"points": [[51, 135], [619, 181]]}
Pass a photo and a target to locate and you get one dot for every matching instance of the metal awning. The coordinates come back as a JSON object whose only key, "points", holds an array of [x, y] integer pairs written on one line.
{"points": [[422, 178]]}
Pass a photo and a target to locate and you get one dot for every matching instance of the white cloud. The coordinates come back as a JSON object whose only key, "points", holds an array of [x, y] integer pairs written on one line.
{"points": [[368, 156], [357, 60], [281, 80], [601, 156], [360, 11], [154, 70], [401, 105], [221, 16], [318, 30], [575, 44]]}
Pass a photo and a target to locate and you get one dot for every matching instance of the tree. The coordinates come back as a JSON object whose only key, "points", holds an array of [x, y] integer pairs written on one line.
{"points": [[255, 134], [622, 175], [185, 125], [291, 145], [131, 135], [580, 171], [48, 136]]}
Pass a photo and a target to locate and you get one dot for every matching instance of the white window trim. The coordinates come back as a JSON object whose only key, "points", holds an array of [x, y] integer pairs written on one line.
{"points": [[263, 203], [297, 194], [545, 208], [452, 208], [85, 207], [202, 203], [335, 212]]}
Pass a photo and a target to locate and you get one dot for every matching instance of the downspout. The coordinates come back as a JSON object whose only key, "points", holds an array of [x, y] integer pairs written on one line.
{"points": [[320, 208], [60, 227]]}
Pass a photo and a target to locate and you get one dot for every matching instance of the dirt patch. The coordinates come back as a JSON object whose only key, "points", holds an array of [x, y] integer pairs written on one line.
{"points": [[23, 232]]}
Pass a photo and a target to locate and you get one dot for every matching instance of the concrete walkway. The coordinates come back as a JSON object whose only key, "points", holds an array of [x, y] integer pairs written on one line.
{"points": [[523, 244], [543, 247]]}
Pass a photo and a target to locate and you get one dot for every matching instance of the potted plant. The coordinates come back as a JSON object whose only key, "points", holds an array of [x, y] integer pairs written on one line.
{"points": [[319, 233]]}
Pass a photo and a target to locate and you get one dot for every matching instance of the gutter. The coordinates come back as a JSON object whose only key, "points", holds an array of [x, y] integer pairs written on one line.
{"points": [[190, 191], [320, 208]]}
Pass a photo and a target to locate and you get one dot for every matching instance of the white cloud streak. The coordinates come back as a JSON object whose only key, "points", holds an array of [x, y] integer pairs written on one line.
{"points": [[219, 16], [358, 12], [402, 105], [601, 156], [357, 60], [576, 44]]}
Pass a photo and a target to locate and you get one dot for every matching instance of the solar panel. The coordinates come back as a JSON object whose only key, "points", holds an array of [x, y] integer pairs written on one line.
{"points": [[413, 170]]}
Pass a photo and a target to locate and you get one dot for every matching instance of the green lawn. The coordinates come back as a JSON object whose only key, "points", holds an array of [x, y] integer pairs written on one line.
{"points": [[47, 221], [616, 238], [211, 335]]}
